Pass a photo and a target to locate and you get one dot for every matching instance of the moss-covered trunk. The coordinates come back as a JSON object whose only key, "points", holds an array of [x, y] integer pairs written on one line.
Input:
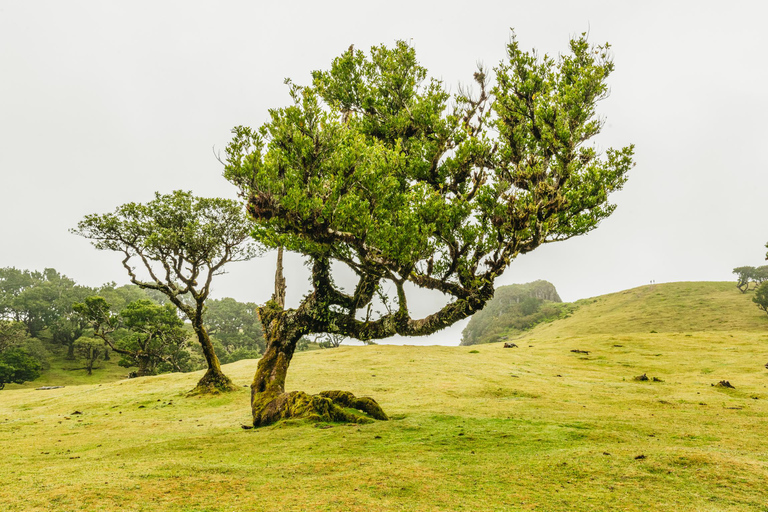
{"points": [[269, 382], [214, 380], [270, 402], [144, 365]]}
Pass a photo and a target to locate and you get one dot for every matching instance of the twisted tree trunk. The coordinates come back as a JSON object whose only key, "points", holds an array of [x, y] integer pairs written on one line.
{"points": [[269, 401]]}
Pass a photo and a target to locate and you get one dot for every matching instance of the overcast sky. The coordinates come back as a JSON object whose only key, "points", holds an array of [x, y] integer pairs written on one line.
{"points": [[103, 103]]}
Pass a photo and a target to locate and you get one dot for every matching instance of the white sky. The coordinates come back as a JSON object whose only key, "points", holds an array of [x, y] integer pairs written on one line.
{"points": [[103, 103]]}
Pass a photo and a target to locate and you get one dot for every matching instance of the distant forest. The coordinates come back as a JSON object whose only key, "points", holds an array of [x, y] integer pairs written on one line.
{"points": [[46, 315]]}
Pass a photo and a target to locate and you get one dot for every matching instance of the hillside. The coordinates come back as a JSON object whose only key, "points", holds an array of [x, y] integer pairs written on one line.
{"points": [[484, 428], [513, 309], [664, 308], [661, 308]]}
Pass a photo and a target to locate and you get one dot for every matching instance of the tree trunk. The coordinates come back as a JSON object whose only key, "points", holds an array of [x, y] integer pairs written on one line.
{"points": [[270, 402], [214, 380], [143, 370], [89, 361]]}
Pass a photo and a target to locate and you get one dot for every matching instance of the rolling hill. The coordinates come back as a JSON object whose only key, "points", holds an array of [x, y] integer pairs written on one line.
{"points": [[663, 308]]}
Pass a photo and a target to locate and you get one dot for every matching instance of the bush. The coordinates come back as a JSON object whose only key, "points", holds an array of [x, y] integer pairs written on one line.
{"points": [[18, 366]]}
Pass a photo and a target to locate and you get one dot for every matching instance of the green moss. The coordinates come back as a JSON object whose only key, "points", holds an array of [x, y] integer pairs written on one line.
{"points": [[213, 383], [328, 406]]}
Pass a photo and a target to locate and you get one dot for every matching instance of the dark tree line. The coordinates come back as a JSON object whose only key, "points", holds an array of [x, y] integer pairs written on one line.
{"points": [[46, 312]]}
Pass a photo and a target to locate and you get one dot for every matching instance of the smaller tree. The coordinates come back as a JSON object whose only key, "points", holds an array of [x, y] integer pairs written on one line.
{"points": [[17, 363], [760, 275], [761, 297], [744, 276], [156, 339], [181, 242], [18, 366], [329, 340], [89, 350]]}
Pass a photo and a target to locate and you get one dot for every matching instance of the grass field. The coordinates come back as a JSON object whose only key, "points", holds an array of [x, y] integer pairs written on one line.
{"points": [[477, 428]]}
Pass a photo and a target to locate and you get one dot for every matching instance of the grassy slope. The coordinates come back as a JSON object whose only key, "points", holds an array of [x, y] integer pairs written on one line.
{"points": [[532, 428], [671, 307], [63, 372]]}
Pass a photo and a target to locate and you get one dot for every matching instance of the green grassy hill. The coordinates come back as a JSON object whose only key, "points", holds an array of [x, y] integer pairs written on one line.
{"points": [[65, 372], [670, 307], [478, 428]]}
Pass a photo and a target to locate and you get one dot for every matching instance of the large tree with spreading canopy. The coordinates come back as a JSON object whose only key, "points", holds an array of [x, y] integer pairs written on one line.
{"points": [[385, 171]]}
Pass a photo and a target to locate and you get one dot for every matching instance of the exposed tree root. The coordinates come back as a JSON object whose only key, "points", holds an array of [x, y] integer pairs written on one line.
{"points": [[213, 383], [327, 406]]}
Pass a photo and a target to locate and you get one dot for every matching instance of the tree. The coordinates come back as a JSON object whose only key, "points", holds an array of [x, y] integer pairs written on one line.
{"points": [[32, 304], [67, 326], [43, 300], [377, 168], [90, 350], [181, 242], [17, 364], [12, 283], [156, 339], [329, 340], [760, 274], [120, 296], [761, 293], [11, 334], [236, 329], [761, 297], [744, 276]]}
